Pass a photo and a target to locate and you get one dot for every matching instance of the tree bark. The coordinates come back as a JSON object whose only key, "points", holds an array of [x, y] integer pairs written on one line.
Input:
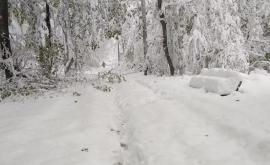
{"points": [[4, 37], [48, 23], [69, 66], [165, 37], [145, 45]]}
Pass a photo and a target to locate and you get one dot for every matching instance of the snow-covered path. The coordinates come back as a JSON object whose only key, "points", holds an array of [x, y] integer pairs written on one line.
{"points": [[144, 121], [59, 131], [170, 123]]}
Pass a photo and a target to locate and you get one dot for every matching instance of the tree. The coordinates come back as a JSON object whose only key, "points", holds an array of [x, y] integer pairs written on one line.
{"points": [[4, 37], [165, 37], [145, 46], [48, 23]]}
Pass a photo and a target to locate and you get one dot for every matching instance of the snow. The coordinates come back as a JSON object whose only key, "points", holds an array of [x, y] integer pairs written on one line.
{"points": [[170, 123], [219, 72], [108, 53], [54, 131], [144, 121], [265, 65], [218, 85], [220, 81]]}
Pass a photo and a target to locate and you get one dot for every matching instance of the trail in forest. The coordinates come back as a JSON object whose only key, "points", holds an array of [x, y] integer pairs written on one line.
{"points": [[144, 121], [63, 129], [166, 122]]}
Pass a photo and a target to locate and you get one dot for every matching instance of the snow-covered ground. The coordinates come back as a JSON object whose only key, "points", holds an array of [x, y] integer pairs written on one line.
{"points": [[144, 121], [56, 130]]}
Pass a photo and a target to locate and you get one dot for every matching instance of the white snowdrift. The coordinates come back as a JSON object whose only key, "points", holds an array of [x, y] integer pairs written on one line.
{"points": [[220, 81]]}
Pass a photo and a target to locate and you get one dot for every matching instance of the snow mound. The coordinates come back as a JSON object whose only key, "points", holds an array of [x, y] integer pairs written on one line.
{"points": [[220, 81]]}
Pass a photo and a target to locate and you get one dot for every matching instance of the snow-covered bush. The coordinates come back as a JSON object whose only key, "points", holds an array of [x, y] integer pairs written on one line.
{"points": [[33, 85], [102, 87], [19, 87], [264, 65], [106, 79], [111, 77], [48, 58], [76, 94]]}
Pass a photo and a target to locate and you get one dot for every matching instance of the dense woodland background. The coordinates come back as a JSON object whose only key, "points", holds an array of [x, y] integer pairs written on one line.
{"points": [[48, 39]]}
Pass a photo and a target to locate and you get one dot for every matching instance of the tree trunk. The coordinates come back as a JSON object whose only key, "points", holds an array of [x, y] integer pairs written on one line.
{"points": [[118, 51], [48, 23], [4, 37], [145, 46], [165, 37], [69, 66]]}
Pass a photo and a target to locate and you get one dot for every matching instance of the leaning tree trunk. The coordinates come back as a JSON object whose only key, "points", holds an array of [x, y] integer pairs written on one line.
{"points": [[165, 37], [145, 46], [4, 37]]}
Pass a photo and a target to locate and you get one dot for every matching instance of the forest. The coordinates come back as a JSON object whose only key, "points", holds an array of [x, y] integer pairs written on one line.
{"points": [[176, 82], [53, 37]]}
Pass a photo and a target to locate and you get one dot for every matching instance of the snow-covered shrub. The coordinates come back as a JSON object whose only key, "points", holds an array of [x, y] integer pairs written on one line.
{"points": [[264, 65], [4, 93], [19, 87], [102, 87], [258, 72], [28, 86], [111, 77], [106, 79], [76, 94], [48, 58]]}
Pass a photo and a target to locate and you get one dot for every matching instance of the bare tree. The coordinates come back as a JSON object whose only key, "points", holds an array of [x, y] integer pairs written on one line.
{"points": [[4, 37], [165, 37]]}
